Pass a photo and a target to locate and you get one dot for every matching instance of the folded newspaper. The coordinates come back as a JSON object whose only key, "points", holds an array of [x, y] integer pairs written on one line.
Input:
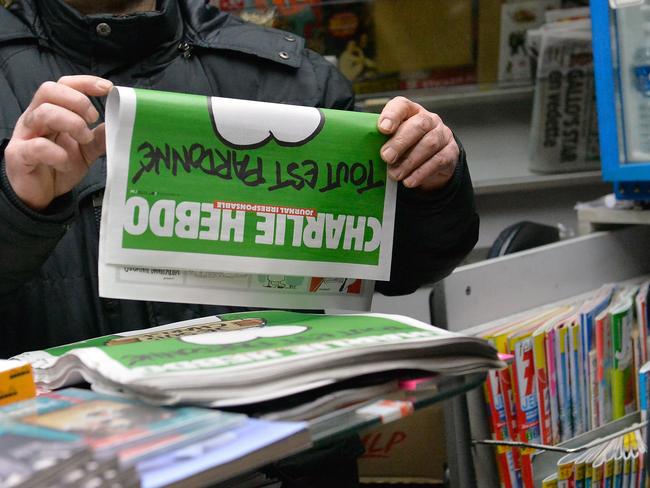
{"points": [[243, 202], [251, 357]]}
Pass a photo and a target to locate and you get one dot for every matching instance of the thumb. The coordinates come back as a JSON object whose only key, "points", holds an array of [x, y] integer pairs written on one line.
{"points": [[96, 147]]}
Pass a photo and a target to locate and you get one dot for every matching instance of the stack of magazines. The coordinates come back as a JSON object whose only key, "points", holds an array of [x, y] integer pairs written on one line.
{"points": [[77, 437], [573, 368], [619, 462], [250, 357]]}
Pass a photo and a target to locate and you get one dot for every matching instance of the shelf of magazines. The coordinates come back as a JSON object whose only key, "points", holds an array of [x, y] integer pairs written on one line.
{"points": [[415, 395], [581, 450], [576, 366]]}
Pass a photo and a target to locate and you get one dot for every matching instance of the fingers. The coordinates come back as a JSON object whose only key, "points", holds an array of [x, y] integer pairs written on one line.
{"points": [[93, 86], [48, 119], [63, 107], [70, 93], [63, 96], [37, 151], [97, 147], [411, 133], [422, 151], [435, 172], [52, 146], [395, 112]]}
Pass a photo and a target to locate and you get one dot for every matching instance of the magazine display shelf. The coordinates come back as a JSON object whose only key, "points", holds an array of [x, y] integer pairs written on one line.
{"points": [[546, 459], [476, 296], [545, 463]]}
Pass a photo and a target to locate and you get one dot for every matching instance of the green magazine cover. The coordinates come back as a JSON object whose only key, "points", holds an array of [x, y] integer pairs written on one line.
{"points": [[623, 375], [216, 184]]}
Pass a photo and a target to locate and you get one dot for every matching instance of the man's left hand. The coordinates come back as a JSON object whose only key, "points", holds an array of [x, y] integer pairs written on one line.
{"points": [[422, 152]]}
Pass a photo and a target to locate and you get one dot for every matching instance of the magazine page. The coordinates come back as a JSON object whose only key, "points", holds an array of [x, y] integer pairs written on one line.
{"points": [[29, 455], [222, 185], [623, 376], [109, 425], [605, 464], [564, 382], [248, 447], [604, 367], [566, 471], [550, 481], [508, 468], [576, 372], [588, 313]]}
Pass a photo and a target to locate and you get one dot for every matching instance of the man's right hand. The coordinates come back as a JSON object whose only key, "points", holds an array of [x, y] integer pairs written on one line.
{"points": [[52, 146]]}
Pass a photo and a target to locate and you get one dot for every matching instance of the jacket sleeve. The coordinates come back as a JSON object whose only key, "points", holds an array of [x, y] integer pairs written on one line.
{"points": [[26, 237], [334, 89], [433, 231]]}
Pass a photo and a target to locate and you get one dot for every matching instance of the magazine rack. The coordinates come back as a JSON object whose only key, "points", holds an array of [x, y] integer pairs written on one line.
{"points": [[546, 459], [473, 297]]}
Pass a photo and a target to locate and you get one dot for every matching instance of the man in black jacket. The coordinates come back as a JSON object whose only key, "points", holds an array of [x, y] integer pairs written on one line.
{"points": [[56, 60]]}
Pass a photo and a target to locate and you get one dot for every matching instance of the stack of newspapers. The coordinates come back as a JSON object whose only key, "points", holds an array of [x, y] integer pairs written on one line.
{"points": [[252, 357]]}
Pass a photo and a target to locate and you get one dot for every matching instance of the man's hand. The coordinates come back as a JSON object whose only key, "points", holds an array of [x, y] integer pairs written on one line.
{"points": [[52, 146], [422, 152]]}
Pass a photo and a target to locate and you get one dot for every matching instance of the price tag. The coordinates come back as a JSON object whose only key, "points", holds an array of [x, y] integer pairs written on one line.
{"points": [[388, 410]]}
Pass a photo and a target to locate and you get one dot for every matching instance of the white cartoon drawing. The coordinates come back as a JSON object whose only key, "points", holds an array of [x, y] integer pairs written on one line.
{"points": [[237, 336], [246, 124]]}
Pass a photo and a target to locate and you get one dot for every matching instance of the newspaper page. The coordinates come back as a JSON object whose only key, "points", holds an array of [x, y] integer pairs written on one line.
{"points": [[564, 129], [221, 185], [247, 290]]}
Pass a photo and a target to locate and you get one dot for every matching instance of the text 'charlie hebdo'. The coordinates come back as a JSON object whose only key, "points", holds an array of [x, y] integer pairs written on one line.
{"points": [[274, 224]]}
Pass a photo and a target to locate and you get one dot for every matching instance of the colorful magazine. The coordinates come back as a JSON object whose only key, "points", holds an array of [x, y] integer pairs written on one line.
{"points": [[30, 456], [623, 376], [114, 426]]}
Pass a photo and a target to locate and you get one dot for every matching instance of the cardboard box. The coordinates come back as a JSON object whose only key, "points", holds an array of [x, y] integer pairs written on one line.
{"points": [[409, 450], [16, 381]]}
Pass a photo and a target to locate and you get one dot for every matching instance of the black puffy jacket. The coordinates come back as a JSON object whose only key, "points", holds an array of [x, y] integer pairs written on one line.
{"points": [[48, 261]]}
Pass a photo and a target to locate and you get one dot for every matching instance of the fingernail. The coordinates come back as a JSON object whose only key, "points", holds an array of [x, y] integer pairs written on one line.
{"points": [[395, 174], [88, 136], [389, 154], [92, 115], [104, 85], [408, 182], [386, 125]]}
